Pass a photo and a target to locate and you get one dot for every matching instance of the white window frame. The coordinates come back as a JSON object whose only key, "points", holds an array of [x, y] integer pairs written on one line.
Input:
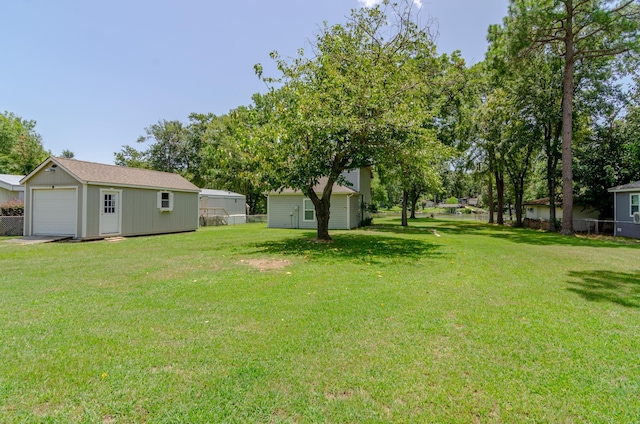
{"points": [[169, 200], [631, 204], [305, 202]]}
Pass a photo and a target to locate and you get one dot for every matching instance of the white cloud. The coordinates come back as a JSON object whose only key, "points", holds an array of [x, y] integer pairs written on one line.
{"points": [[371, 3]]}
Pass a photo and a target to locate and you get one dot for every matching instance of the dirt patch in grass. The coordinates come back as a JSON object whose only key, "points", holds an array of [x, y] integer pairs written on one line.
{"points": [[339, 395], [266, 264]]}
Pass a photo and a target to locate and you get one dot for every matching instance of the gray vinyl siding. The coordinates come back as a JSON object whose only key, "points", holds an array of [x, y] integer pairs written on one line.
{"points": [[624, 221], [623, 206], [365, 185], [57, 179], [355, 217], [628, 229], [282, 213], [353, 176], [6, 195], [140, 213], [281, 208], [338, 219]]}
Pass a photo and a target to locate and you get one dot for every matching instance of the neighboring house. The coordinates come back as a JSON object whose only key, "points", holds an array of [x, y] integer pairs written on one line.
{"points": [[222, 207], [539, 210], [626, 207], [10, 188], [291, 209], [86, 200]]}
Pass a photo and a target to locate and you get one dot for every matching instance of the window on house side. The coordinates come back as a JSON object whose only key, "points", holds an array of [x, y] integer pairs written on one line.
{"points": [[635, 203], [309, 211], [165, 201]]}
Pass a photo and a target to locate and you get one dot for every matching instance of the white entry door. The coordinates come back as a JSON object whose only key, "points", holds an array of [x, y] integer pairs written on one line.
{"points": [[110, 212]]}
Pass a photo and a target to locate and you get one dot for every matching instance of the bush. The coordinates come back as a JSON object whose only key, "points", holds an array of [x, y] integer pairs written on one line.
{"points": [[14, 207], [367, 222]]}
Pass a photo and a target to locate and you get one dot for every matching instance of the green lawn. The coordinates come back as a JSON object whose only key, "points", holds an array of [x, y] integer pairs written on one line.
{"points": [[248, 324]]}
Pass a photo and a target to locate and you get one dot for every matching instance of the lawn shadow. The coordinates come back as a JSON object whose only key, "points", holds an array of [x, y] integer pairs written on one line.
{"points": [[607, 286], [366, 247], [515, 234], [542, 238], [426, 226]]}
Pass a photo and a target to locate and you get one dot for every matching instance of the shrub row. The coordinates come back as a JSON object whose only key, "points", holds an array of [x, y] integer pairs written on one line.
{"points": [[14, 207]]}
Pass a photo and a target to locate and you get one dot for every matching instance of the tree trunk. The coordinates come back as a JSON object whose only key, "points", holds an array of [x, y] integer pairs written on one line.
{"points": [[500, 190], [405, 201], [519, 196], [414, 202], [490, 195], [567, 127], [322, 216], [552, 162], [322, 208]]}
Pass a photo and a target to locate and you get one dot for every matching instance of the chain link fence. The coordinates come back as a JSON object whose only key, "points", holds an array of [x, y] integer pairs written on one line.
{"points": [[11, 225], [256, 218]]}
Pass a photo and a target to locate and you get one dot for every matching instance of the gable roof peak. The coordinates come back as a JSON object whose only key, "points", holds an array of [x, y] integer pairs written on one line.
{"points": [[99, 173]]}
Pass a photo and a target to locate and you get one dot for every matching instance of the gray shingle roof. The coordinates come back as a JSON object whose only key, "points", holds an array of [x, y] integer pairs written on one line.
{"points": [[337, 189], [631, 186], [91, 172]]}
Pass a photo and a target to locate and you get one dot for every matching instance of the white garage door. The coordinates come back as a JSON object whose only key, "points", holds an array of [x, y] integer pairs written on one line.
{"points": [[54, 212]]}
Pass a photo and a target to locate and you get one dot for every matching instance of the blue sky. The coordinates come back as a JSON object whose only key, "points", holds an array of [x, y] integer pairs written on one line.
{"points": [[94, 74]]}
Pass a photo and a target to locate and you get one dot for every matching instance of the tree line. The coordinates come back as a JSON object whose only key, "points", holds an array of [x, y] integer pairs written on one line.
{"points": [[553, 111]]}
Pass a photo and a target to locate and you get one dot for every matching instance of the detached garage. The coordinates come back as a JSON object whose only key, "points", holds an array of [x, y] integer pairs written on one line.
{"points": [[86, 200]]}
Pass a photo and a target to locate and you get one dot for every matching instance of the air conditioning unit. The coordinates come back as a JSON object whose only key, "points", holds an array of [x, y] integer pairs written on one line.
{"points": [[636, 217]]}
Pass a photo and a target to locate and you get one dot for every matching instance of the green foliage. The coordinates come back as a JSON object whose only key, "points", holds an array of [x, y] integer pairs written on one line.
{"points": [[609, 155], [210, 151], [582, 34], [14, 207], [21, 149], [367, 95], [452, 201], [66, 153]]}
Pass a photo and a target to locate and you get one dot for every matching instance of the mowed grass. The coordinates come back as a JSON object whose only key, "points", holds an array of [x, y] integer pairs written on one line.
{"points": [[248, 324]]}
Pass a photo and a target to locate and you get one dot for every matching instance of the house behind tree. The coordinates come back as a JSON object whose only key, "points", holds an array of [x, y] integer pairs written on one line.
{"points": [[349, 204]]}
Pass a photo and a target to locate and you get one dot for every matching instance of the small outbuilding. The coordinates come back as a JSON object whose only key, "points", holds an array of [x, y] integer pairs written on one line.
{"points": [[10, 187], [222, 207], [626, 209], [86, 200], [539, 210]]}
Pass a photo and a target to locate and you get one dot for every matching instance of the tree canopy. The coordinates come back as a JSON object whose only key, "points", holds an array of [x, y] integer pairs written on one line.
{"points": [[21, 149], [368, 92]]}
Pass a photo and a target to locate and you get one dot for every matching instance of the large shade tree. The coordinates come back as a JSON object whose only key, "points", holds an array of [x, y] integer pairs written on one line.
{"points": [[361, 96], [579, 31]]}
